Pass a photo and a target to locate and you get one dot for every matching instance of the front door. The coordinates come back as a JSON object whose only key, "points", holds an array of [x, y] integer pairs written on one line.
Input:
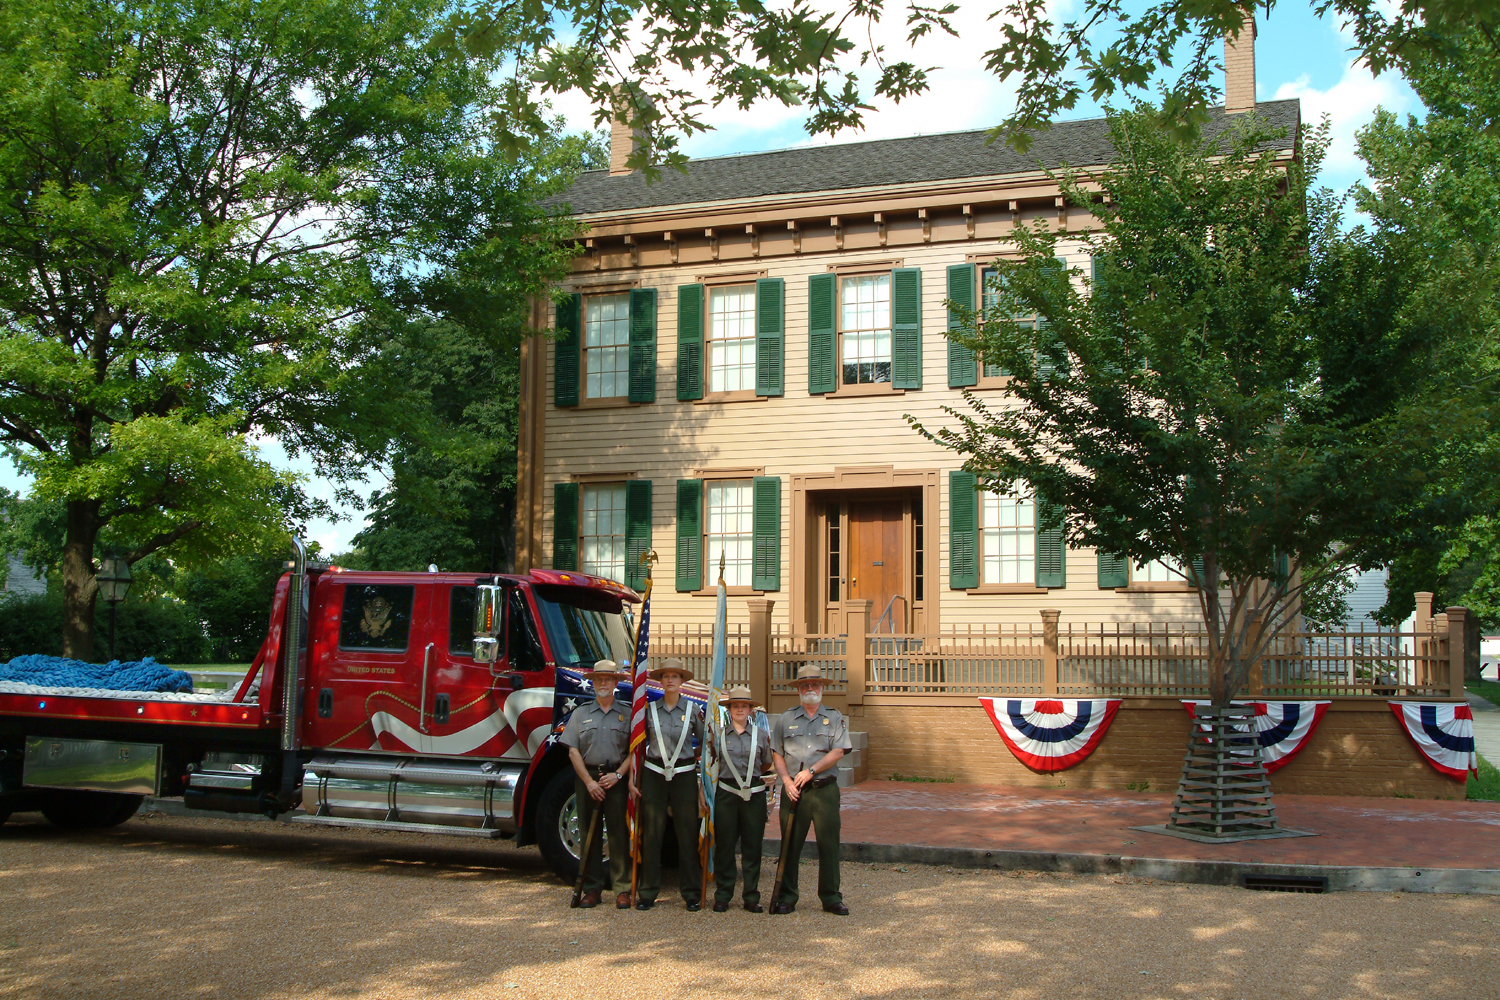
{"points": [[877, 570]]}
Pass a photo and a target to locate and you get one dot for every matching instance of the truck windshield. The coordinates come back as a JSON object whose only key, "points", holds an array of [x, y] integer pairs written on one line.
{"points": [[583, 626]]}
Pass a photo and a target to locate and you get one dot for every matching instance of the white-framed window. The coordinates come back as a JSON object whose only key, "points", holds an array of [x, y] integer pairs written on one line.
{"points": [[730, 506], [865, 325], [731, 338], [601, 530], [1007, 537], [606, 345], [1163, 570], [989, 294]]}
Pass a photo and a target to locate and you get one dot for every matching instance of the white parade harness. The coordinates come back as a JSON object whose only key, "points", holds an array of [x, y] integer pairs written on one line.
{"points": [[670, 766], [744, 791]]}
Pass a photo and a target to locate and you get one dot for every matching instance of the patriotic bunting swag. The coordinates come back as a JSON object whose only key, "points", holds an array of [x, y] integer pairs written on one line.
{"points": [[1282, 727], [1051, 734], [1443, 732]]}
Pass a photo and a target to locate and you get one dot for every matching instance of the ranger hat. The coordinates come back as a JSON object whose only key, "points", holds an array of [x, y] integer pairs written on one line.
{"points": [[671, 665], [809, 672], [737, 693], [606, 669]]}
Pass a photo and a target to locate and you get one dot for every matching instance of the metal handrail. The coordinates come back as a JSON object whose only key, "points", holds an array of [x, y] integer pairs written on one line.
{"points": [[890, 605]]}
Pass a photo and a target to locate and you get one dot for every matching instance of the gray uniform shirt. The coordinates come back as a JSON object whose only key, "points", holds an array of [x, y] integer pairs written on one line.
{"points": [[802, 742], [736, 747], [601, 737], [672, 720]]}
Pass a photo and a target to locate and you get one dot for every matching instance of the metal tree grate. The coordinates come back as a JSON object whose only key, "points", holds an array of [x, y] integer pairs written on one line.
{"points": [[1224, 791]]}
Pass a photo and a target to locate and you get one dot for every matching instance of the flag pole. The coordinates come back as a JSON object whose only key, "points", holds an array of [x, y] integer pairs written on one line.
{"points": [[713, 733], [640, 644]]}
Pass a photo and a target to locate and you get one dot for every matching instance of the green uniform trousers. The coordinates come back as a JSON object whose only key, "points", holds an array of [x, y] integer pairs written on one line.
{"points": [[736, 820], [818, 808], [657, 794], [616, 834]]}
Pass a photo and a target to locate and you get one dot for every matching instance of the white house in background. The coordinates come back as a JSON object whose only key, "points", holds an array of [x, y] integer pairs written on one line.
{"points": [[22, 579], [1489, 658], [1367, 597]]}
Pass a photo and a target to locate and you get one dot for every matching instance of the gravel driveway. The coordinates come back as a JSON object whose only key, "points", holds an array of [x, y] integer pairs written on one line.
{"points": [[196, 908]]}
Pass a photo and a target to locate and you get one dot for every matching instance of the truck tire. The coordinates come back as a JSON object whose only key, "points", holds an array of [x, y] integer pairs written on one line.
{"points": [[89, 810], [559, 838]]}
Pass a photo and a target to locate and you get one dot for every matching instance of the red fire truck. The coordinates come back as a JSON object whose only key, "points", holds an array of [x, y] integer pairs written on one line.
{"points": [[415, 701]]}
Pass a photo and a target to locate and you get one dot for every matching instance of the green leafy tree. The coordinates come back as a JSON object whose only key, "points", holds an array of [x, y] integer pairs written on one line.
{"points": [[1235, 388], [212, 217], [1435, 188], [630, 56]]}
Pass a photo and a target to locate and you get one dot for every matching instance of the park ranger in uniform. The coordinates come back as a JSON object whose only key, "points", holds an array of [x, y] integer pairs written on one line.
{"points": [[740, 801], [598, 738], [674, 732], [807, 743]]}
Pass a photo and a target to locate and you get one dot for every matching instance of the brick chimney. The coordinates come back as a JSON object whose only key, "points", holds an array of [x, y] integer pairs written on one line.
{"points": [[623, 140], [1239, 69]]}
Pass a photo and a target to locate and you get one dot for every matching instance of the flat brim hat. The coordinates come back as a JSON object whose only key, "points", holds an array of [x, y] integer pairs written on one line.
{"points": [[606, 669], [737, 693], [671, 665], [809, 672]]}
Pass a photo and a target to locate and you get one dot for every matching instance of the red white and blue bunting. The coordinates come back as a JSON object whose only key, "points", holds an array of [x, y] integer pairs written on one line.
{"points": [[1443, 732], [1282, 727], [1051, 734]]}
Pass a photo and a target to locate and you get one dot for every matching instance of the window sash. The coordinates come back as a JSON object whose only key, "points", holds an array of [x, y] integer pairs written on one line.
{"points": [[731, 338], [729, 529], [601, 531], [1163, 570], [606, 346], [987, 302], [1007, 538], [865, 324]]}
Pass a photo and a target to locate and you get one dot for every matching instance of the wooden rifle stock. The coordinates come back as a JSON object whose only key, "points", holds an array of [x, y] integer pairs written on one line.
{"points": [[588, 850], [786, 842]]}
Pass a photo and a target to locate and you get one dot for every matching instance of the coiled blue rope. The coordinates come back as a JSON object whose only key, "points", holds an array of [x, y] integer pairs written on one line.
{"points": [[57, 671]]}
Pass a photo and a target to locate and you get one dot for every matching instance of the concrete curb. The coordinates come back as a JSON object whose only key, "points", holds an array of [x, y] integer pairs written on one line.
{"points": [[1475, 881]]}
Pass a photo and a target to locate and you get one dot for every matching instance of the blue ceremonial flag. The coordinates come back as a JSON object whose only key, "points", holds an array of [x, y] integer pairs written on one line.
{"points": [[715, 731]]}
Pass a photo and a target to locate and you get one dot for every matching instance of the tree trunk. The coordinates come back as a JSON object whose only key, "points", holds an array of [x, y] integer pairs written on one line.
{"points": [[80, 589]]}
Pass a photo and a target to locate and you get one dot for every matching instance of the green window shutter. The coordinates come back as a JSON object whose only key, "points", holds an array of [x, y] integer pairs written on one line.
{"points": [[637, 530], [1196, 571], [565, 526], [963, 369], [565, 352], [765, 518], [689, 534], [821, 292], [690, 342], [906, 327], [1114, 571], [770, 337], [1051, 549], [963, 531], [643, 345]]}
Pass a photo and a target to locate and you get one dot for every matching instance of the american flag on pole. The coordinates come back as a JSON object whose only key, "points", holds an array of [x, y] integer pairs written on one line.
{"points": [[638, 701]]}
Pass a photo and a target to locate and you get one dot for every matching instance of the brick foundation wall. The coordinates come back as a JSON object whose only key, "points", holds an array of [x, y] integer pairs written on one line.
{"points": [[1359, 749]]}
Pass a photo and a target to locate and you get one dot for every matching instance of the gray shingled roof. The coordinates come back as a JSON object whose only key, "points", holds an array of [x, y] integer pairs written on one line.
{"points": [[912, 160]]}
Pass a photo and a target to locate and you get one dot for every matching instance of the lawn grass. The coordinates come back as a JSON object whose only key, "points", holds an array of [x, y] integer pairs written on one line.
{"points": [[1488, 690], [1484, 786]]}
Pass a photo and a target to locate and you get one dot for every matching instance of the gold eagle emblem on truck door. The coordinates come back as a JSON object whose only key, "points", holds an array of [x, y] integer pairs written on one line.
{"points": [[377, 617]]}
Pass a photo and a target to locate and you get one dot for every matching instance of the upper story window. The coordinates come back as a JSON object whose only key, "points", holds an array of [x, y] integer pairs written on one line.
{"points": [[606, 346], [1007, 538], [731, 338], [865, 328], [988, 298], [601, 530]]}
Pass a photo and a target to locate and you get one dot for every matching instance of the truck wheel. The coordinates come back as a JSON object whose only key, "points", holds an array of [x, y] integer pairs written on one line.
{"points": [[558, 835], [89, 810]]}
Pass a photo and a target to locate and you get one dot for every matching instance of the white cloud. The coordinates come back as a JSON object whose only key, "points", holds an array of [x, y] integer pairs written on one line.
{"points": [[1349, 105]]}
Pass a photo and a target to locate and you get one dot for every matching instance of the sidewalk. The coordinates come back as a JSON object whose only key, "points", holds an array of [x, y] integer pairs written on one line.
{"points": [[1486, 728], [1361, 843]]}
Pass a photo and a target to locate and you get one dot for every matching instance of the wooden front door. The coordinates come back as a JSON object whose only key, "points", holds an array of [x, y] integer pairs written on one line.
{"points": [[877, 568]]}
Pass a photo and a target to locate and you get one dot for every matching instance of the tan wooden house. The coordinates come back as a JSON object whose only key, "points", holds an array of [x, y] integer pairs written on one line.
{"points": [[736, 360]]}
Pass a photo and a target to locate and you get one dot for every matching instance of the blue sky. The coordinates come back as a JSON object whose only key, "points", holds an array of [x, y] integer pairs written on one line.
{"points": [[1298, 55]]}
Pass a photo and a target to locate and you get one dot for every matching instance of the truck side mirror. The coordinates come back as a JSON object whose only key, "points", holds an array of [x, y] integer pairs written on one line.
{"points": [[489, 617]]}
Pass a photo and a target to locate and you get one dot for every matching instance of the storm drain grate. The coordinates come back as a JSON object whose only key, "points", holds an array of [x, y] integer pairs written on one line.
{"points": [[1285, 883]]}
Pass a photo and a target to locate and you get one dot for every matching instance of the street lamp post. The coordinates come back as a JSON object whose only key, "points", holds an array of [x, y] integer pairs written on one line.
{"points": [[114, 582]]}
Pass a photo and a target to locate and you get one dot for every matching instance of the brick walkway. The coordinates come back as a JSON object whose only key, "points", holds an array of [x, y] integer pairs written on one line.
{"points": [[1351, 831]]}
